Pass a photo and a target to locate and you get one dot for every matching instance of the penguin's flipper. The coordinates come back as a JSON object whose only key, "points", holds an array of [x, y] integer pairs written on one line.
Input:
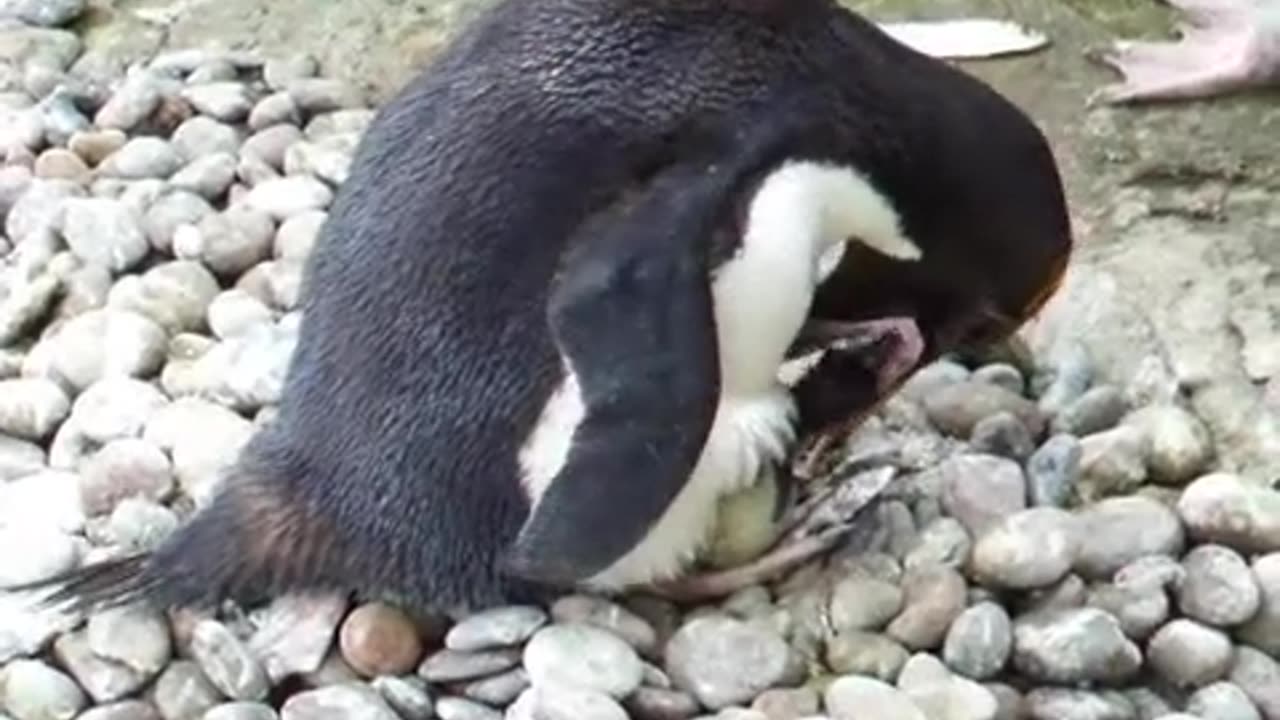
{"points": [[632, 316]]}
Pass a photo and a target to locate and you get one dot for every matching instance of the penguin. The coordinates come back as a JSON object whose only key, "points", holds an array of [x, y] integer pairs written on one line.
{"points": [[1226, 47], [545, 324]]}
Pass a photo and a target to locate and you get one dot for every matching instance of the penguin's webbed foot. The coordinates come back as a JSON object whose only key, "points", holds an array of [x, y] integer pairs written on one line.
{"points": [[1225, 46]]}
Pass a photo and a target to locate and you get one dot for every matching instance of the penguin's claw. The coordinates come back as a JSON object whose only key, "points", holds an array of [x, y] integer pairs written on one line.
{"points": [[1226, 46]]}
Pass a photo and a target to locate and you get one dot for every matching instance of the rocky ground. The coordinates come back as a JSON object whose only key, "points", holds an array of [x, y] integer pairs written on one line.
{"points": [[1088, 535]]}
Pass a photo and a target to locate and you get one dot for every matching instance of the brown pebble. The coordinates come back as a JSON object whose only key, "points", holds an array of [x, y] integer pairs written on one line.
{"points": [[378, 639], [57, 163], [94, 145]]}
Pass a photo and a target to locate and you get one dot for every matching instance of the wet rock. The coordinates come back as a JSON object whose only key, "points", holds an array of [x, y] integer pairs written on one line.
{"points": [[1186, 653], [1222, 508], [979, 641], [864, 603], [979, 490], [1222, 701], [1218, 587], [380, 639], [559, 702], [32, 690], [1259, 677], [854, 698], [934, 597], [855, 652], [1064, 646], [722, 661], [32, 408], [1113, 462], [496, 627], [351, 701], [1030, 549], [228, 663], [1116, 531], [956, 408]]}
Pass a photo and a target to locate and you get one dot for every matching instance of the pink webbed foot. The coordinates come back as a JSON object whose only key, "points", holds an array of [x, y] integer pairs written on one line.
{"points": [[1226, 46]]}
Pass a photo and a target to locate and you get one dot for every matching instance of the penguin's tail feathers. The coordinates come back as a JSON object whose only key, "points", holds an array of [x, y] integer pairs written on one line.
{"points": [[249, 543]]}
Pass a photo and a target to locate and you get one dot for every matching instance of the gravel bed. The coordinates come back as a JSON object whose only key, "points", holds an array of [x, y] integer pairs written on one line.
{"points": [[1049, 547]]}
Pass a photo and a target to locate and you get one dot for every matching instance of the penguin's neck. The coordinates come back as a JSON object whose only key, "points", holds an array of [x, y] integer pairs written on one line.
{"points": [[798, 225]]}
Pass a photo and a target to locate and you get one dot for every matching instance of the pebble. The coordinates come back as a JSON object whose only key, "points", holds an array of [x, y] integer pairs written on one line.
{"points": [[1180, 447], [209, 176], [227, 662], [609, 616], [979, 642], [1140, 608], [1186, 653], [453, 666], [183, 691], [94, 146], [321, 95], [274, 109], [855, 652], [175, 295], [43, 13], [45, 501], [140, 525], [227, 101], [235, 240], [864, 603], [133, 635], [201, 437], [1222, 508], [956, 408], [557, 702], [279, 72], [1069, 374], [240, 711], [787, 703], [1113, 462], [1116, 531], [271, 143], [941, 695], [295, 633], [130, 710], [103, 680], [1222, 701], [18, 457], [125, 468], [649, 703], [496, 627], [34, 691], [1218, 587], [1004, 435], [104, 232], [113, 408], [202, 136], [140, 158], [1053, 471], [32, 408], [720, 660], [409, 697], [61, 164], [1072, 645], [170, 211], [349, 701], [499, 690], [137, 97], [284, 197], [1002, 374], [855, 698], [1262, 631], [1259, 677], [456, 708], [380, 639], [934, 598], [1067, 704], [1099, 408], [1030, 549], [979, 490], [51, 551], [944, 541], [107, 342]]}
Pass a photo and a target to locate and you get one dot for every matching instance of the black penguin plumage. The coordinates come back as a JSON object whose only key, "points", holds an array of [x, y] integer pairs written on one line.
{"points": [[427, 351]]}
